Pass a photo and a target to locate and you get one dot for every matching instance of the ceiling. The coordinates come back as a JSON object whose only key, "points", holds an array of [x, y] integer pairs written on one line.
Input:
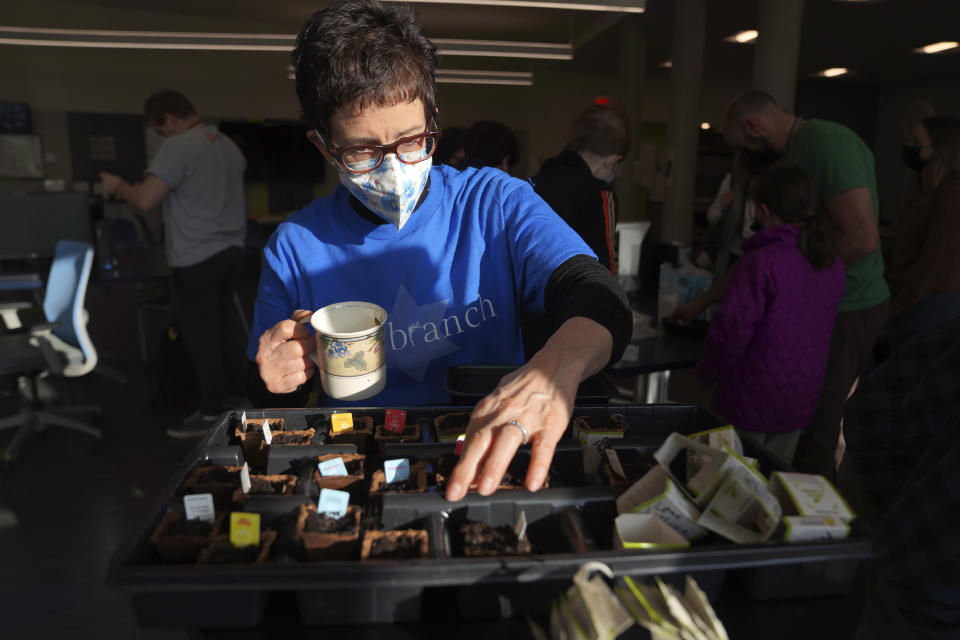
{"points": [[873, 39]]}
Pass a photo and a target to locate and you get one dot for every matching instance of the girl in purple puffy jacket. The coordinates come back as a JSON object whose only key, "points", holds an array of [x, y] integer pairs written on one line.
{"points": [[768, 342]]}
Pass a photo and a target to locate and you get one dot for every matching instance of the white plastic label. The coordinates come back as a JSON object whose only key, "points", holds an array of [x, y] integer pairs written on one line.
{"points": [[199, 506], [396, 470], [333, 503], [245, 478], [333, 467], [615, 465], [521, 527], [267, 435]]}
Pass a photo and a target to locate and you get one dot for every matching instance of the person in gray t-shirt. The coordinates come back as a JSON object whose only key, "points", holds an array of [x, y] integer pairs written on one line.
{"points": [[198, 176]]}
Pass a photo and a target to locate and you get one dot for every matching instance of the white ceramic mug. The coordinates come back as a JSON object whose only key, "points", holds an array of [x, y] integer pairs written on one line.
{"points": [[350, 351]]}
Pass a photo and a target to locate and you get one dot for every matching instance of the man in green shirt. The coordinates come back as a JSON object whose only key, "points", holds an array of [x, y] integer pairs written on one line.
{"points": [[842, 168]]}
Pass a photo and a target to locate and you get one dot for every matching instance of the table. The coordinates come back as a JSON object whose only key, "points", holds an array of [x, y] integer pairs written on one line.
{"points": [[652, 359], [20, 281], [655, 358]]}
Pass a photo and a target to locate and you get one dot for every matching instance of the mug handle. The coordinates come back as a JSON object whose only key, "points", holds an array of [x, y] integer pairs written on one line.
{"points": [[313, 354]]}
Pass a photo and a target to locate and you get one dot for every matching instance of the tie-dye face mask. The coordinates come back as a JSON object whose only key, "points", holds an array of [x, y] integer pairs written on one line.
{"points": [[392, 190]]}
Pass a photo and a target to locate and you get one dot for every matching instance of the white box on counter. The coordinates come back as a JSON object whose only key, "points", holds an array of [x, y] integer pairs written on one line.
{"points": [[645, 531], [656, 494], [806, 494], [813, 528]]}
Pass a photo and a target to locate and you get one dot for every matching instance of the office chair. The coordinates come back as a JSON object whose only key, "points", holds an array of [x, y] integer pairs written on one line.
{"points": [[61, 346]]}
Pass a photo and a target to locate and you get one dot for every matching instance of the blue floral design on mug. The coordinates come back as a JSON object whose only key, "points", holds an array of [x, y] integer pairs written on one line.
{"points": [[337, 349]]}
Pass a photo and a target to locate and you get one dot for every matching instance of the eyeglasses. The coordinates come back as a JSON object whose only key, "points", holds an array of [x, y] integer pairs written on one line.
{"points": [[363, 158]]}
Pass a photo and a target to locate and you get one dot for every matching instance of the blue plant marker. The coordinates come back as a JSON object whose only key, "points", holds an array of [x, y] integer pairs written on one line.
{"points": [[334, 467], [333, 503], [396, 470]]}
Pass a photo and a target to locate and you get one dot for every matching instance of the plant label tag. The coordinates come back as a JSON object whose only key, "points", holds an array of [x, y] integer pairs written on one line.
{"points": [[341, 422], [334, 467], [267, 435], [521, 527], [458, 449], [333, 503], [615, 465], [243, 421], [245, 478], [244, 529], [199, 506], [395, 420], [396, 470]]}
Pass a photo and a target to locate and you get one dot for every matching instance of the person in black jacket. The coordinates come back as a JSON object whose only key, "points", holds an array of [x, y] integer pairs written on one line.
{"points": [[577, 183]]}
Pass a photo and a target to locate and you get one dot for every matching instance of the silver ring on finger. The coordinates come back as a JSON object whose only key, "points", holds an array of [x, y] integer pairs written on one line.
{"points": [[523, 430]]}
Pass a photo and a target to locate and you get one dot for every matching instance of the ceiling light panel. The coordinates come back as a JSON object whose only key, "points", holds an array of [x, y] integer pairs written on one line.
{"points": [[621, 6], [833, 72], [504, 49], [937, 47], [190, 41], [743, 37], [473, 76]]}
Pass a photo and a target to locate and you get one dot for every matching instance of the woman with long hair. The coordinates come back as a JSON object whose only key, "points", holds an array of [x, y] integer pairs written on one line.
{"points": [[925, 276]]}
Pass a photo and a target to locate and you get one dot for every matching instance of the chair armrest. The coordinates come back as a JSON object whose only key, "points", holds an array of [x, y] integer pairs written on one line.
{"points": [[42, 327], [9, 312], [41, 337]]}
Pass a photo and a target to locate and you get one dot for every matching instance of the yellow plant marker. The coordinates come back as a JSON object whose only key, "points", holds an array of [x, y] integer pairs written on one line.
{"points": [[244, 529], [341, 422]]}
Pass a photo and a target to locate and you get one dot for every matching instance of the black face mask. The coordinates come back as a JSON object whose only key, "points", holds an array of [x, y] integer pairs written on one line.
{"points": [[757, 161], [911, 157]]}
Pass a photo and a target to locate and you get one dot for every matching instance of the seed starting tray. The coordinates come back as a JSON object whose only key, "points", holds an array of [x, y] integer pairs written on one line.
{"points": [[569, 523]]}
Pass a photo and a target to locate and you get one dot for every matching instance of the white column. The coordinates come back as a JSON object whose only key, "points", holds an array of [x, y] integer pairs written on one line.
{"points": [[632, 65], [683, 128], [777, 49]]}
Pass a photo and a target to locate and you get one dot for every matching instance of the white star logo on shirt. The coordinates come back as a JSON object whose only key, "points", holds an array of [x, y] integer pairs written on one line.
{"points": [[416, 331]]}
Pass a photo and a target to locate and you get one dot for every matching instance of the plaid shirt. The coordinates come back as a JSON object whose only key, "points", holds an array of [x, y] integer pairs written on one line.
{"points": [[903, 435]]}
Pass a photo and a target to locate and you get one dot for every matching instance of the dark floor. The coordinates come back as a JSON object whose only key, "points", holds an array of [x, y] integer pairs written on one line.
{"points": [[77, 499]]}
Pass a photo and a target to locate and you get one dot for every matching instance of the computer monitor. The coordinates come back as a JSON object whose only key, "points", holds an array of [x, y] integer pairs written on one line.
{"points": [[32, 223], [21, 156]]}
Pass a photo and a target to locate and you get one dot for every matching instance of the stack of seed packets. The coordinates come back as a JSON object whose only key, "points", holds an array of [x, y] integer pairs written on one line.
{"points": [[591, 610]]}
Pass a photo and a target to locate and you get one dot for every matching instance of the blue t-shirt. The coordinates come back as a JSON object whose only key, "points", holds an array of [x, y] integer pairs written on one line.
{"points": [[477, 251]]}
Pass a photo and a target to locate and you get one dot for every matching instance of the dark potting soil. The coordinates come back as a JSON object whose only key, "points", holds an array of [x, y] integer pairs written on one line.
{"points": [[448, 461], [453, 423], [257, 427], [511, 480], [410, 484], [637, 470], [264, 487], [224, 553], [395, 547], [408, 430], [320, 523], [198, 528], [602, 423], [480, 539], [217, 475], [353, 467], [291, 438]]}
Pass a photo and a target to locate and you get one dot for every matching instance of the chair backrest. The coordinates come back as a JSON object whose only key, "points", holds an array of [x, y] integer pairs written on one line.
{"points": [[66, 291]]}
